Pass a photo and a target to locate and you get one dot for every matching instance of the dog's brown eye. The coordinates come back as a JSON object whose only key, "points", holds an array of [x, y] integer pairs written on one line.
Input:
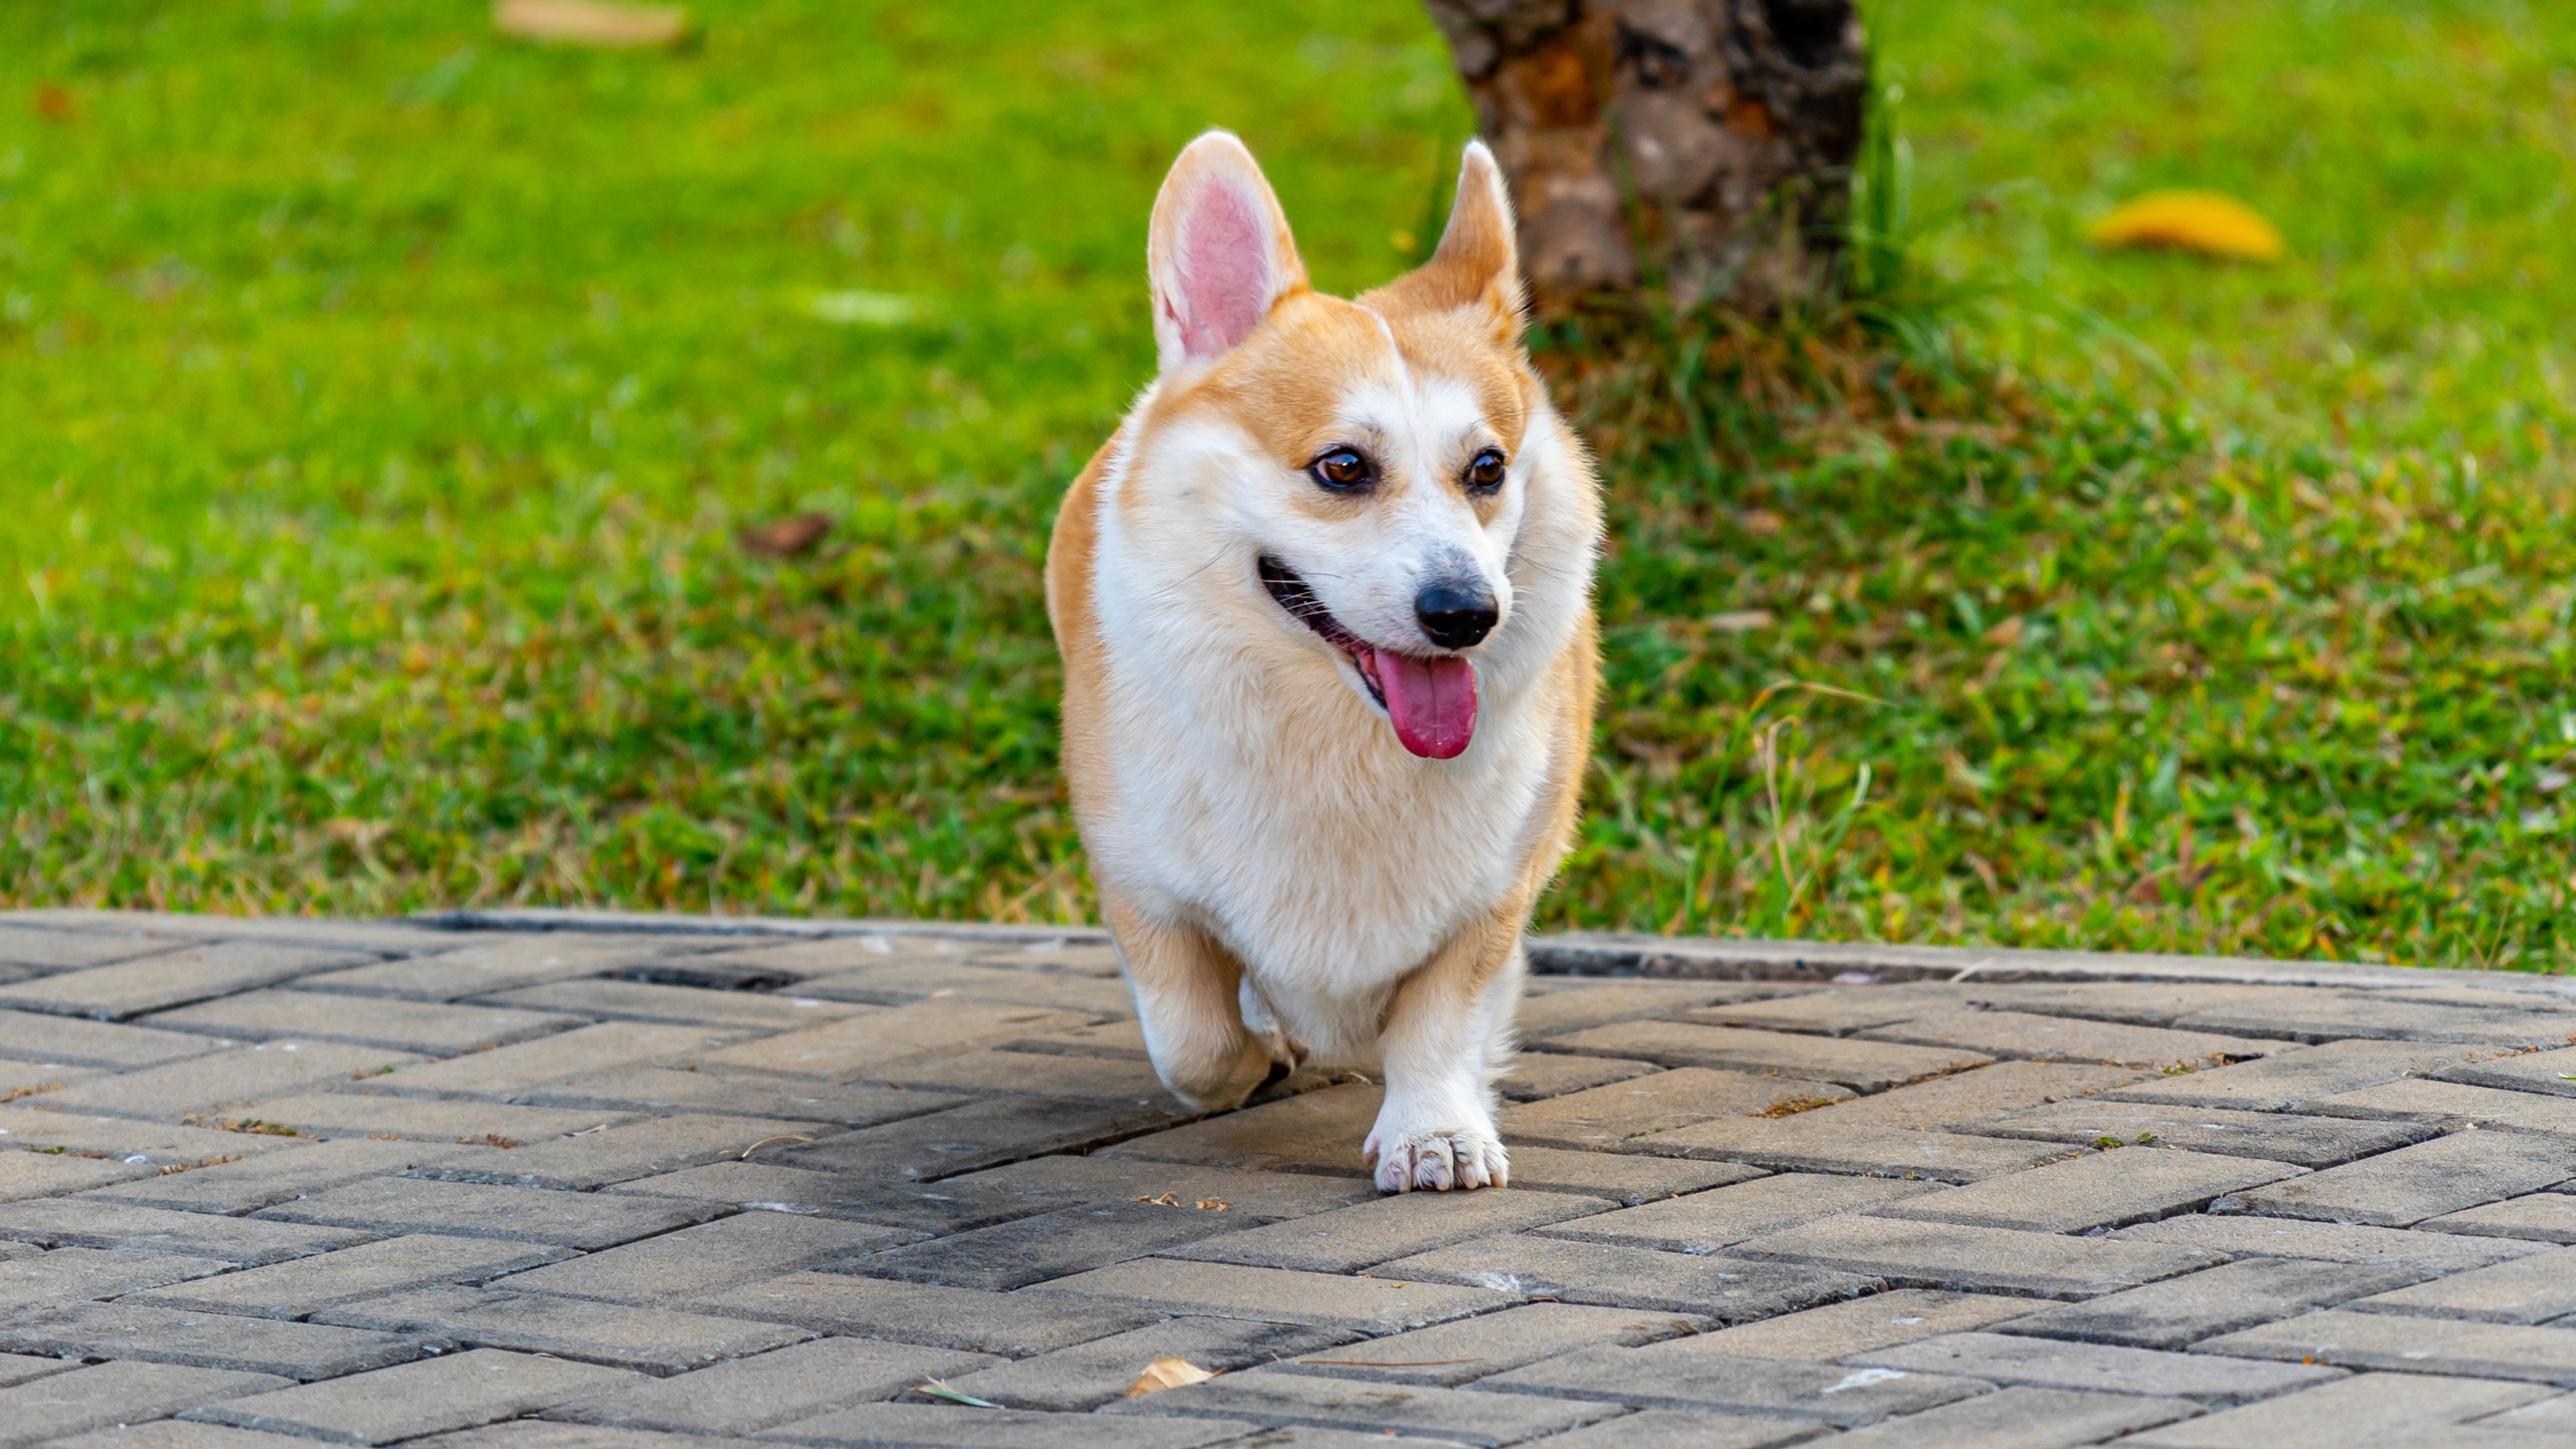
{"points": [[1343, 469], [1486, 473]]}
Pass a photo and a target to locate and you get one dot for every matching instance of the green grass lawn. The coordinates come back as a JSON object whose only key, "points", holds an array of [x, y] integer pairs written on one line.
{"points": [[379, 400]]}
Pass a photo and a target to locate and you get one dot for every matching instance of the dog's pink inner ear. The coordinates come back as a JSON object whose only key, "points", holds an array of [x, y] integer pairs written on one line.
{"points": [[1225, 270]]}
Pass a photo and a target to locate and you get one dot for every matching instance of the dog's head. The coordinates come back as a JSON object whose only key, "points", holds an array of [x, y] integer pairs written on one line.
{"points": [[1360, 470]]}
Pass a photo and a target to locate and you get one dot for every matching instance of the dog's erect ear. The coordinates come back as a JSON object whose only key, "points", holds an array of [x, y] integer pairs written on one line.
{"points": [[1478, 263], [1219, 253]]}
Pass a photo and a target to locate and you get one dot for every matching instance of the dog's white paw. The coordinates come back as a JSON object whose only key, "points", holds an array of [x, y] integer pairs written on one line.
{"points": [[1437, 1161]]}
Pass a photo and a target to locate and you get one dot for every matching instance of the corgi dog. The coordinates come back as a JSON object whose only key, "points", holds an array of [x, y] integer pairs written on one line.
{"points": [[1324, 601]]}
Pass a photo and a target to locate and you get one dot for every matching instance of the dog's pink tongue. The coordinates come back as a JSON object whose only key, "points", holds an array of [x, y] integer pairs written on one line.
{"points": [[1431, 701]]}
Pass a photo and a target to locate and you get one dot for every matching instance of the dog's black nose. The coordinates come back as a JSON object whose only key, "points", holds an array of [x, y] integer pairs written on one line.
{"points": [[1456, 613]]}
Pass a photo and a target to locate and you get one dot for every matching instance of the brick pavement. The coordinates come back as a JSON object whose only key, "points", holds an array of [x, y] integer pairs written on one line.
{"points": [[525, 1181]]}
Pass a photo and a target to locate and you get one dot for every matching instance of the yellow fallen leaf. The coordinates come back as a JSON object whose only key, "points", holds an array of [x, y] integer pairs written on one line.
{"points": [[2200, 221], [590, 22], [1167, 1373]]}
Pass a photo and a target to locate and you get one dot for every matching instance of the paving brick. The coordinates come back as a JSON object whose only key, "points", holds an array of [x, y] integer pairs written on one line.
{"points": [[1846, 1010], [1316, 1132], [1536, 1076], [418, 1398], [796, 1382], [1609, 1117], [45, 1174], [1086, 956], [902, 982], [2453, 1104], [1681, 1429], [429, 1028], [258, 1182], [586, 1220], [1474, 1348], [2411, 1345], [504, 963], [2544, 1217], [512, 1070], [986, 1073], [83, 1223], [799, 960], [2548, 1072], [655, 1340], [1625, 1178], [541, 1434], [1821, 1142], [1552, 1010], [720, 1254], [2280, 1083], [1032, 1250], [2021, 1418], [126, 1392], [1705, 1221], [954, 1206], [2556, 1415], [361, 1114], [2311, 1015], [20, 1080], [976, 1136], [925, 1426], [1102, 1179], [2399, 1188], [71, 1042], [2306, 1141], [1964, 1098], [58, 950], [2205, 1379], [2034, 1037], [1352, 1238], [1015, 1325], [1881, 1320], [665, 1090], [176, 978], [605, 999], [2330, 1242], [639, 1149], [369, 1270], [2181, 1311], [129, 1140], [1109, 1039], [1728, 1290], [2529, 1290], [1088, 1375], [2367, 1409], [1275, 1295], [381, 937], [200, 1339], [1680, 1374], [173, 1434], [862, 1046], [72, 1275], [1950, 1255], [2156, 1003], [1459, 1416], [2103, 1190], [213, 1086], [1863, 1066], [19, 1368]]}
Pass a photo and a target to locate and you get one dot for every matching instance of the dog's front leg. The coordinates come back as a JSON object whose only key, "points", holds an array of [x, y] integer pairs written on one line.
{"points": [[1187, 990], [1447, 1032]]}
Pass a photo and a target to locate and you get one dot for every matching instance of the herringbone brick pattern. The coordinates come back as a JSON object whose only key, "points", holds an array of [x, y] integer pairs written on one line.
{"points": [[264, 1182]]}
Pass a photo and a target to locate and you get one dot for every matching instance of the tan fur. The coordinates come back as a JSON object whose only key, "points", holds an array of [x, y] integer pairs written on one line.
{"points": [[1323, 842]]}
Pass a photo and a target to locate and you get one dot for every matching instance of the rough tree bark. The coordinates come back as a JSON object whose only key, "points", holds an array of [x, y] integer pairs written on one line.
{"points": [[1653, 136]]}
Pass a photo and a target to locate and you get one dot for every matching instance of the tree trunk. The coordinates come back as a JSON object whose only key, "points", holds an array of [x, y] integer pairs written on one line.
{"points": [[1694, 140]]}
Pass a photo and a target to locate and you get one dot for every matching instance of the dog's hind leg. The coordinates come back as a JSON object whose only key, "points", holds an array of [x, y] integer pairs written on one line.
{"points": [[1187, 990], [1447, 1033]]}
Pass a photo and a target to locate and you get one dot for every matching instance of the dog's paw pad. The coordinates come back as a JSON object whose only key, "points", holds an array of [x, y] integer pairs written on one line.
{"points": [[1440, 1160]]}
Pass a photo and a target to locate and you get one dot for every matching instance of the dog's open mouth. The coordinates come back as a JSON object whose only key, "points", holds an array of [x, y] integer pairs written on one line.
{"points": [[1431, 702]]}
